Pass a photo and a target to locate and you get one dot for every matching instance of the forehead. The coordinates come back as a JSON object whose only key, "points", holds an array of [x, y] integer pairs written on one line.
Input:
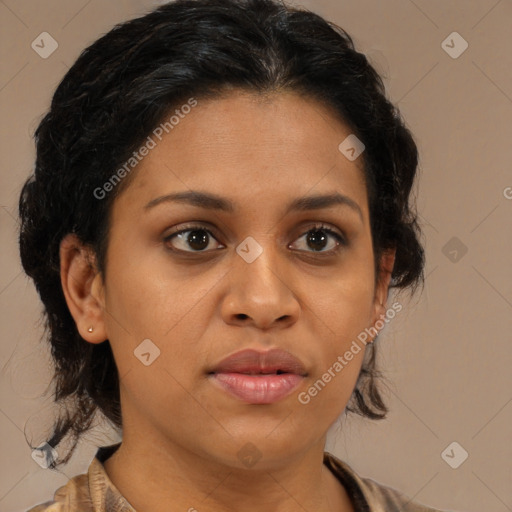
{"points": [[253, 148]]}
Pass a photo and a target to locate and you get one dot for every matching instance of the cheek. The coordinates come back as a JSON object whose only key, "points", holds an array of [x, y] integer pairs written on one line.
{"points": [[342, 304], [338, 352], [340, 312], [147, 294], [150, 300]]}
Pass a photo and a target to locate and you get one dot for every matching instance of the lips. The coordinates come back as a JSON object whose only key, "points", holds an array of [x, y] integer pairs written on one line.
{"points": [[253, 362], [259, 377]]}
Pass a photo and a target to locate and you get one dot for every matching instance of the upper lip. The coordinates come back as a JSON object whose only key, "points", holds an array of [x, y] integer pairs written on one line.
{"points": [[255, 361]]}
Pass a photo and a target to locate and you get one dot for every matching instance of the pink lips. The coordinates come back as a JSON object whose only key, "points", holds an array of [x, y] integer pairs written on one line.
{"points": [[259, 377]]}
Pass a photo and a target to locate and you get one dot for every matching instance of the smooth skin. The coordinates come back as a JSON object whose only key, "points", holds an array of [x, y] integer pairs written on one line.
{"points": [[199, 303]]}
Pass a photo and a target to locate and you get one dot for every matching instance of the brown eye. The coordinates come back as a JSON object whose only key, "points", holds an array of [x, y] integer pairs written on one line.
{"points": [[191, 239], [317, 239], [196, 238]]}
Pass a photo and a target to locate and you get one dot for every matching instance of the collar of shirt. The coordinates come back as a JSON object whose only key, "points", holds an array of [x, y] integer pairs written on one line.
{"points": [[105, 496], [95, 492]]}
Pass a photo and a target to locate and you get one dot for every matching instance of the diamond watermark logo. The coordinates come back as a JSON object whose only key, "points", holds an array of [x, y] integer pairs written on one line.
{"points": [[249, 249], [44, 455], [351, 147], [147, 352], [44, 45], [454, 455], [454, 45], [454, 249], [249, 455]]}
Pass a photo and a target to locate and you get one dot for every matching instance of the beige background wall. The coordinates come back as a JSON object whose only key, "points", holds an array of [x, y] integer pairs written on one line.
{"points": [[448, 355]]}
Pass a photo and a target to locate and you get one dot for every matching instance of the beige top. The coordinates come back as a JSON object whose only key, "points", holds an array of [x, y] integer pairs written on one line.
{"points": [[94, 492]]}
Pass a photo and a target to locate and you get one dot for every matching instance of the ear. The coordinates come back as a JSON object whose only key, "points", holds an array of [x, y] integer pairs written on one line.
{"points": [[387, 262], [83, 288]]}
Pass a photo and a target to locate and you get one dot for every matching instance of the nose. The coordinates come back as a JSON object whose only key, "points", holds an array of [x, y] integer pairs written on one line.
{"points": [[260, 294]]}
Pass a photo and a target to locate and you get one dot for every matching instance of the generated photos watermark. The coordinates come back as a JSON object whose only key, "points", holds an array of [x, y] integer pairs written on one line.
{"points": [[150, 143], [304, 397]]}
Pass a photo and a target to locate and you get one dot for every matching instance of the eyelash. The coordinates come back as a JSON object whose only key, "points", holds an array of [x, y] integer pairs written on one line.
{"points": [[317, 227]]}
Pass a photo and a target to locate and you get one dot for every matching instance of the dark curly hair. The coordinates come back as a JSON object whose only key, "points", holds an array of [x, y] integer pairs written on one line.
{"points": [[123, 85]]}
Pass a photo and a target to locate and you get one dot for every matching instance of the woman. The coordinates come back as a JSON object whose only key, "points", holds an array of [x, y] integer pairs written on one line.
{"points": [[219, 209]]}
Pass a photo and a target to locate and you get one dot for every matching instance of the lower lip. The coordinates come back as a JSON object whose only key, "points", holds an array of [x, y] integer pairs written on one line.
{"points": [[258, 389]]}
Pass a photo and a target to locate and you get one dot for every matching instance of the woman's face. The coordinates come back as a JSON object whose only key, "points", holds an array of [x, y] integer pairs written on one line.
{"points": [[254, 275]]}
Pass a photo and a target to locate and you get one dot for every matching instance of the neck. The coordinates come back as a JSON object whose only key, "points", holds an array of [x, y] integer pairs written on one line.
{"points": [[174, 479]]}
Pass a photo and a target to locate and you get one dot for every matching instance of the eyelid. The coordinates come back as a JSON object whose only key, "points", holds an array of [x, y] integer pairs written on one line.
{"points": [[205, 226], [183, 228], [339, 235]]}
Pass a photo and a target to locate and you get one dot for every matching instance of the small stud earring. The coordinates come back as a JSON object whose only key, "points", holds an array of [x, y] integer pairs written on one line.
{"points": [[90, 329]]}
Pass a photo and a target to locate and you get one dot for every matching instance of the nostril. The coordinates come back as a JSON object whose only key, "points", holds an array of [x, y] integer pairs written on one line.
{"points": [[242, 316]]}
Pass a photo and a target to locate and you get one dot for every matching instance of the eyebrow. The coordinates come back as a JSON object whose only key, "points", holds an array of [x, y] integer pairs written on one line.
{"points": [[214, 202]]}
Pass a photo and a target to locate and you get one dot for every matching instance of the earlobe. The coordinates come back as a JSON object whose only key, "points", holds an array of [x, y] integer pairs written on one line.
{"points": [[83, 288]]}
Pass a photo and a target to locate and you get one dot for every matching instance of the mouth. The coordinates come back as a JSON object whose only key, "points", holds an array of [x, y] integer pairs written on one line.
{"points": [[259, 377], [257, 388]]}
